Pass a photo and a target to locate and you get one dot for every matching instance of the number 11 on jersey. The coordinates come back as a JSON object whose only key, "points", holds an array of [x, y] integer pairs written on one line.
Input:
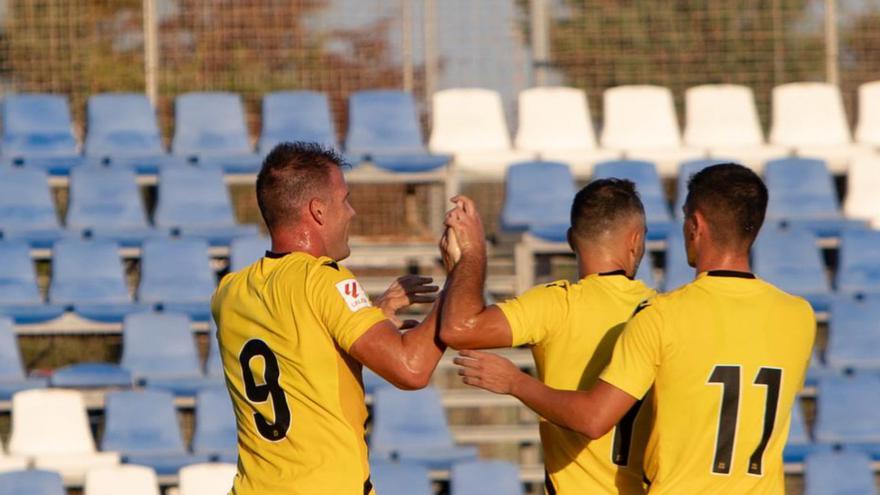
{"points": [[728, 376]]}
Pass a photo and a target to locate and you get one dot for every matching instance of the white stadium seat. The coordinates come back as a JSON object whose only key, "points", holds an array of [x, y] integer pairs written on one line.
{"points": [[470, 124], [640, 121], [555, 123], [51, 427], [127, 479], [206, 479], [863, 182], [809, 117], [11, 463], [868, 128], [723, 119]]}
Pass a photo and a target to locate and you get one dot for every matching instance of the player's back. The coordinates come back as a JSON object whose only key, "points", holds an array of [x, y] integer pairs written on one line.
{"points": [[572, 328], [285, 324], [733, 355]]}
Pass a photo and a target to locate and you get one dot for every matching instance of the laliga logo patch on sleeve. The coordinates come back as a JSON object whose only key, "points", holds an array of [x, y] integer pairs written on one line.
{"points": [[353, 294]]}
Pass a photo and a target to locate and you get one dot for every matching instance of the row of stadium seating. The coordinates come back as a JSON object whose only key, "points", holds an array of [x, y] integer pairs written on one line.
{"points": [[50, 430], [468, 124], [175, 274], [105, 203], [465, 478], [195, 479]]}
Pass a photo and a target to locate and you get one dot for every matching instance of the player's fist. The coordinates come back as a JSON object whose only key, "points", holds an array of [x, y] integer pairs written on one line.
{"points": [[464, 221]]}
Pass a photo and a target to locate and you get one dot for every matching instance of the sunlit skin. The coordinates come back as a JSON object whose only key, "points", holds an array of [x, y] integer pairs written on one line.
{"points": [[595, 411], [406, 359], [468, 323]]}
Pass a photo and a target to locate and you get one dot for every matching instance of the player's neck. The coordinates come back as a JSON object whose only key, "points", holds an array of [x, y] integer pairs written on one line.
{"points": [[723, 260], [301, 240], [591, 265]]}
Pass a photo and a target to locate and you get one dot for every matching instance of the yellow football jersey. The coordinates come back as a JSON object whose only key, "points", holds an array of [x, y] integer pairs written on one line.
{"points": [[726, 355], [571, 328], [285, 325]]}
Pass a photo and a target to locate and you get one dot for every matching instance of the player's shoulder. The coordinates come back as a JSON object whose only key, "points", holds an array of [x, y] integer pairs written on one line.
{"points": [[785, 300]]}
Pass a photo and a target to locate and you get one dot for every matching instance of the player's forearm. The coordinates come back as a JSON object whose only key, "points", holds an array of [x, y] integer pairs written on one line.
{"points": [[464, 299], [570, 409], [422, 348]]}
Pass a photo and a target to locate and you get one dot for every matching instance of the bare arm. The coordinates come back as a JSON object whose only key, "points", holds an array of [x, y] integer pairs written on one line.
{"points": [[467, 322], [592, 412], [405, 358]]}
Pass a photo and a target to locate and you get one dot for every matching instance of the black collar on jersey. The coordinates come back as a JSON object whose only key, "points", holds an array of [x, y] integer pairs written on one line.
{"points": [[615, 272], [273, 255], [730, 273]]}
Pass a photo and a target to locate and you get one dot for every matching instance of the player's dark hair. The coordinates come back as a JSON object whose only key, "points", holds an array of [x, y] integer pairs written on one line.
{"points": [[601, 205], [293, 173], [733, 199]]}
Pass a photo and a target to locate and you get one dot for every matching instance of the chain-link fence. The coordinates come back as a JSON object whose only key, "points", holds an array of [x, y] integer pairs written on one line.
{"points": [[251, 47]]}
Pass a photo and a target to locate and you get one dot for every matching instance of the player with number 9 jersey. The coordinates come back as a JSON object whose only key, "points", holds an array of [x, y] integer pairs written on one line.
{"points": [[298, 401]]}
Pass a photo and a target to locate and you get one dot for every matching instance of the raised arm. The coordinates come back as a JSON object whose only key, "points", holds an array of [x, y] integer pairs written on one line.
{"points": [[591, 413], [406, 358], [467, 323]]}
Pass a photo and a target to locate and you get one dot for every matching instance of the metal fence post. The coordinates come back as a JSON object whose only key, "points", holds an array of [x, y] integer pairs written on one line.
{"points": [[151, 51], [832, 45], [406, 21], [540, 40]]}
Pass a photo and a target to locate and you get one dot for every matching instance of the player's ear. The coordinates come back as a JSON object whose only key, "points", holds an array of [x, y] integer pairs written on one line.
{"points": [[569, 236], [317, 210]]}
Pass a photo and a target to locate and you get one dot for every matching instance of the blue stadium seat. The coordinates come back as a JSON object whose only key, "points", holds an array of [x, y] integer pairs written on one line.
{"points": [[392, 478], [105, 203], [31, 482], [685, 171], [244, 251], [816, 370], [88, 277], [296, 116], [798, 446], [124, 132], [142, 426], [26, 208], [19, 295], [158, 349], [854, 333], [91, 375], [790, 260], [802, 195], [210, 129], [411, 427], [215, 430], [383, 128], [194, 202], [214, 364], [647, 180], [847, 413], [176, 275], [537, 194], [677, 271], [38, 132], [839, 473], [859, 268], [373, 381], [481, 477], [12, 377]]}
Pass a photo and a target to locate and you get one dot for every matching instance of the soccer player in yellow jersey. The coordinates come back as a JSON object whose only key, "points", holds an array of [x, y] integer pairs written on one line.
{"points": [[570, 327], [726, 355], [295, 328]]}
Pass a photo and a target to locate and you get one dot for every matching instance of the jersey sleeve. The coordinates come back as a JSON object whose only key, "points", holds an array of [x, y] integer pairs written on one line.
{"points": [[341, 303], [637, 353], [536, 314]]}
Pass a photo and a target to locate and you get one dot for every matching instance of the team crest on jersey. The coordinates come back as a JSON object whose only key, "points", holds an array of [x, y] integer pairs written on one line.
{"points": [[353, 294]]}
